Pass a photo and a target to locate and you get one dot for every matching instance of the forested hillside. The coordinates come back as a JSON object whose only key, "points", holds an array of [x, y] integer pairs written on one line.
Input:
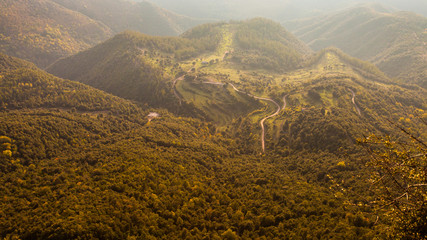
{"points": [[88, 164], [262, 43], [395, 42]]}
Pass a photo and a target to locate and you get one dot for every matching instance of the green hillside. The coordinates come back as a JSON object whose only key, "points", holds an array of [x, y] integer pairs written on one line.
{"points": [[263, 43], [80, 163], [395, 42]]}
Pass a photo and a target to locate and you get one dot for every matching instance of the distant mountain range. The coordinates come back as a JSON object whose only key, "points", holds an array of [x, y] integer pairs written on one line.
{"points": [[42, 31], [278, 10], [395, 41]]}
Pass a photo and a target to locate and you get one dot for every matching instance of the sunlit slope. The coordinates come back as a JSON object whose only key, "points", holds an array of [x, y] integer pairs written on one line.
{"points": [[338, 99], [395, 42], [42, 31], [324, 105], [210, 73]]}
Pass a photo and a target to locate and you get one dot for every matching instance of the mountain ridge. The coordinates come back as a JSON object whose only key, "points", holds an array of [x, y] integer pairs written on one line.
{"points": [[395, 42]]}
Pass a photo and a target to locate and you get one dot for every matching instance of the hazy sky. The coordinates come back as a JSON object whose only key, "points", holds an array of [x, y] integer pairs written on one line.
{"points": [[280, 10]]}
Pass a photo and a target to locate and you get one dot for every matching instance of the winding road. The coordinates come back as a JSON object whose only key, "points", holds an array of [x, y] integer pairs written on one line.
{"points": [[284, 102], [177, 95], [174, 88], [264, 119], [354, 102]]}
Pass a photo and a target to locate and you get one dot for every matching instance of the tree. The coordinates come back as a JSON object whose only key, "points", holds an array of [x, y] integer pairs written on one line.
{"points": [[400, 178], [229, 235], [6, 146]]}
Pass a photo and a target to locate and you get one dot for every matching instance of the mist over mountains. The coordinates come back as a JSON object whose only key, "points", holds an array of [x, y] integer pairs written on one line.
{"points": [[279, 10]]}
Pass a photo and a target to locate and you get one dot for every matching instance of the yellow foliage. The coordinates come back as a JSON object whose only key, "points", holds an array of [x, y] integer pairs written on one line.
{"points": [[7, 153]]}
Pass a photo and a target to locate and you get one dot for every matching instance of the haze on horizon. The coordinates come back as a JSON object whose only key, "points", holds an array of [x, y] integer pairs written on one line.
{"points": [[279, 10]]}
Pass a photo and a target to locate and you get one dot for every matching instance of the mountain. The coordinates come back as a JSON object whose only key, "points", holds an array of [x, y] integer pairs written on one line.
{"points": [[143, 68], [43, 31], [395, 41], [78, 162], [257, 43], [131, 65], [234, 74]]}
